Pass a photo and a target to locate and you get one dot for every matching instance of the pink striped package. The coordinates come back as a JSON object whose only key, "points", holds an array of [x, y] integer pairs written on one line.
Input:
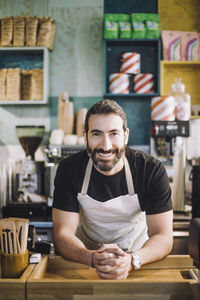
{"points": [[163, 108], [189, 46], [130, 63], [171, 45], [119, 83], [143, 83]]}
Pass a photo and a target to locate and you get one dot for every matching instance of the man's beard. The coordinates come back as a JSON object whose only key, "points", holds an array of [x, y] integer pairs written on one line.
{"points": [[105, 165]]}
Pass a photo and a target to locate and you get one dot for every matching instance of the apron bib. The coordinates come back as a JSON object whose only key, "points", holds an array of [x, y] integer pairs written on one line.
{"points": [[117, 221]]}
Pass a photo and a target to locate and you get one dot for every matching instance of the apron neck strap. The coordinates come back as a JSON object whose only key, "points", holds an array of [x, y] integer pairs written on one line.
{"points": [[129, 179], [87, 177]]}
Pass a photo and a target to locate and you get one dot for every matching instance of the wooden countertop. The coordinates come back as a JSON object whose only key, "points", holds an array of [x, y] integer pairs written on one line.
{"points": [[57, 278]]}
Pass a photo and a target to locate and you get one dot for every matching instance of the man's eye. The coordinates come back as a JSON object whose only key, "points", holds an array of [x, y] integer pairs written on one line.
{"points": [[114, 133], [96, 134]]}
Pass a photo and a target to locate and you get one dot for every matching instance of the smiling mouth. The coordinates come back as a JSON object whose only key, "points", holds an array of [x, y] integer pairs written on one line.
{"points": [[105, 154]]}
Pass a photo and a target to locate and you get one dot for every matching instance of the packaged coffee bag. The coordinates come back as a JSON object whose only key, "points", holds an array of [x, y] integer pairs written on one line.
{"points": [[3, 74], [6, 31], [37, 84], [26, 84], [171, 45], [189, 46], [124, 26], [138, 26], [152, 26], [19, 32], [13, 84], [31, 31], [46, 32], [52, 35], [111, 26]]}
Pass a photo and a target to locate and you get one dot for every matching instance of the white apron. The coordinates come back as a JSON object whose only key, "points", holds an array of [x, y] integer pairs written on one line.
{"points": [[118, 220]]}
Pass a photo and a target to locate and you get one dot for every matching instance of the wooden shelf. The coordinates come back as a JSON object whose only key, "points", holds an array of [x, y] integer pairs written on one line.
{"points": [[188, 71], [194, 117], [131, 95], [22, 102], [26, 58]]}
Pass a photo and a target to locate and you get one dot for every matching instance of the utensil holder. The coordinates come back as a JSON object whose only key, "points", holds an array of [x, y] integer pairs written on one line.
{"points": [[13, 265]]}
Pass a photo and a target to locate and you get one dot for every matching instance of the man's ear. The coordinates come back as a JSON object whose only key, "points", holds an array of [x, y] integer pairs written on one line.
{"points": [[126, 135]]}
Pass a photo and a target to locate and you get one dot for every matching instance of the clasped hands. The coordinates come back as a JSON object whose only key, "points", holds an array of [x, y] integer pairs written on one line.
{"points": [[111, 262]]}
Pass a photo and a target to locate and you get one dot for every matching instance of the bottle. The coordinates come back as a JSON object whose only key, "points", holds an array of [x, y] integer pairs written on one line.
{"points": [[182, 100], [52, 251]]}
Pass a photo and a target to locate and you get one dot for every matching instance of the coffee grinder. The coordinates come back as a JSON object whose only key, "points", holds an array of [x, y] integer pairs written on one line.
{"points": [[29, 173]]}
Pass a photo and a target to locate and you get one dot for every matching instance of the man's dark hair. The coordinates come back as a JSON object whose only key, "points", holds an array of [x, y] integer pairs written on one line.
{"points": [[105, 107]]}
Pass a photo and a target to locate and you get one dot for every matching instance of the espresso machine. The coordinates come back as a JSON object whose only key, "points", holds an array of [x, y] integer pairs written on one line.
{"points": [[168, 144], [29, 173], [54, 154]]}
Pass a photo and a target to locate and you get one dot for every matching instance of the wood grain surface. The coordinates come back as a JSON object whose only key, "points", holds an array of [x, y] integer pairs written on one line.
{"points": [[14, 289], [60, 279], [179, 15]]}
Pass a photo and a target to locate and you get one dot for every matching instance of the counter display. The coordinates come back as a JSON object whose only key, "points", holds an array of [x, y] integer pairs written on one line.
{"points": [[55, 278]]}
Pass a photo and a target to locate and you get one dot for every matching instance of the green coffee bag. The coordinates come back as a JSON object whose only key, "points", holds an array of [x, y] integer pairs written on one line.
{"points": [[111, 26], [152, 26], [124, 26], [138, 26]]}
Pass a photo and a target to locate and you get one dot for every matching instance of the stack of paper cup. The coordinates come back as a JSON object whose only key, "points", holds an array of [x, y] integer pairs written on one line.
{"points": [[119, 83], [130, 63], [143, 83], [163, 108]]}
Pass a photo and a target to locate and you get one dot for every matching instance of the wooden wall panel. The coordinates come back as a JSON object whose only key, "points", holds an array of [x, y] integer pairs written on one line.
{"points": [[179, 15]]}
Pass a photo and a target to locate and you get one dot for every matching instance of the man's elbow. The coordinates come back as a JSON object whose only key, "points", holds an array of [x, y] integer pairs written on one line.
{"points": [[57, 237]]}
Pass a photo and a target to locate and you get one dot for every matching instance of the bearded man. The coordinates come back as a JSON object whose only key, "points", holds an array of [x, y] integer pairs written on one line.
{"points": [[112, 206]]}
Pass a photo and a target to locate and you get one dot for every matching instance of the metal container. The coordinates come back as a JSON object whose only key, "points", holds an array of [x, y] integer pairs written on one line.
{"points": [[50, 172]]}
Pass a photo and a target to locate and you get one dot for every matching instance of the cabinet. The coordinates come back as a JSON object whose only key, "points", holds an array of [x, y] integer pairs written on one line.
{"points": [[26, 58], [149, 50], [188, 71]]}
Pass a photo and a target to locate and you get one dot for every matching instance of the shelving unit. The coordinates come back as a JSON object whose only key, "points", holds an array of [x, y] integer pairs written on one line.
{"points": [[136, 106], [149, 50], [26, 58], [188, 71]]}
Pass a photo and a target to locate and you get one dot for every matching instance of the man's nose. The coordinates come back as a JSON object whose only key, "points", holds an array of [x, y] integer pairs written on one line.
{"points": [[106, 143]]}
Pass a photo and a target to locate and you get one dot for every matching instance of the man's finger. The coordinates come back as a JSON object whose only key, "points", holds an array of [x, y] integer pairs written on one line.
{"points": [[107, 246], [111, 248]]}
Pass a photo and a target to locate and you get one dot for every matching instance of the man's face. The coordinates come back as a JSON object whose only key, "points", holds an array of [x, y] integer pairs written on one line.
{"points": [[106, 142]]}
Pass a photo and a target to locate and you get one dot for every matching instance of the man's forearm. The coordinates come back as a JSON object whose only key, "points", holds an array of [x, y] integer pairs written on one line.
{"points": [[71, 248], [155, 248]]}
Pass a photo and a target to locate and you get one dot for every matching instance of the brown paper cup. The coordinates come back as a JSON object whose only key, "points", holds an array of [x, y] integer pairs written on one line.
{"points": [[13, 265]]}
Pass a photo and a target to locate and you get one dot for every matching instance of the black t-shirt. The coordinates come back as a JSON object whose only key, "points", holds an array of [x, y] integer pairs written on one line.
{"points": [[149, 178]]}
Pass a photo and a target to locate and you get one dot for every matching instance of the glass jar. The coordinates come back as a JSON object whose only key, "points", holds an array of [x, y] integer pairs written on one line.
{"points": [[182, 100]]}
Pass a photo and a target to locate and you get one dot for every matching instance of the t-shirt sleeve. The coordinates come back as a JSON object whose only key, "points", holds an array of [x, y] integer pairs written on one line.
{"points": [[158, 191], [65, 191]]}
